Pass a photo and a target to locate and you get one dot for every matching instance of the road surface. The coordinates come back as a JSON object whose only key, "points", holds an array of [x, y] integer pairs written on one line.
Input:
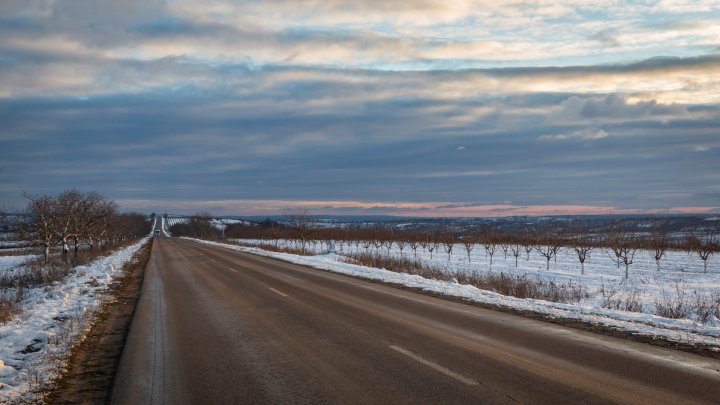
{"points": [[215, 326]]}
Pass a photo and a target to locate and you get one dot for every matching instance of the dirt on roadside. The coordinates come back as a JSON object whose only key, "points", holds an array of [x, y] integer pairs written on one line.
{"points": [[93, 363]]}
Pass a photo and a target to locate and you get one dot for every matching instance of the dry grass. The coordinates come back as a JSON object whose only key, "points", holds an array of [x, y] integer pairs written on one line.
{"points": [[675, 304], [271, 248], [681, 304], [505, 284], [36, 273], [9, 307], [525, 287], [626, 301]]}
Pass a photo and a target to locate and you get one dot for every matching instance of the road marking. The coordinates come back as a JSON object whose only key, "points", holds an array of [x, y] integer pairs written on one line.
{"points": [[278, 292], [435, 366], [233, 270]]}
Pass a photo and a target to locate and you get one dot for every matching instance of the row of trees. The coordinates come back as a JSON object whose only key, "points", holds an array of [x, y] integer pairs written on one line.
{"points": [[620, 244], [196, 226], [77, 218]]}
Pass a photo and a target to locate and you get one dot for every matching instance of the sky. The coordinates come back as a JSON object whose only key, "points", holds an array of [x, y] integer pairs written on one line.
{"points": [[397, 107]]}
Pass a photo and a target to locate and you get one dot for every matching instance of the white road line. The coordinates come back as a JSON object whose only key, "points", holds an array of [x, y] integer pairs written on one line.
{"points": [[435, 366], [278, 292]]}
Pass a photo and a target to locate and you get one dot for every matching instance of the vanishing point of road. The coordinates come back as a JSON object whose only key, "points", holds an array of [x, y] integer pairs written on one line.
{"points": [[216, 326]]}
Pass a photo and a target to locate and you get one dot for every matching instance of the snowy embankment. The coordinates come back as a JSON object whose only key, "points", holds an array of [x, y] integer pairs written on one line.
{"points": [[679, 330], [34, 345]]}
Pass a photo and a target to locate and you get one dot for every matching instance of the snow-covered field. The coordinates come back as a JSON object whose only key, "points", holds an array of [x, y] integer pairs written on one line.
{"points": [[222, 222], [218, 223], [35, 343], [680, 272], [11, 263]]}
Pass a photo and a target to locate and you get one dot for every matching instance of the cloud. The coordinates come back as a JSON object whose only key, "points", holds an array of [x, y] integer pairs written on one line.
{"points": [[411, 209], [339, 100], [604, 38], [587, 134], [616, 107]]}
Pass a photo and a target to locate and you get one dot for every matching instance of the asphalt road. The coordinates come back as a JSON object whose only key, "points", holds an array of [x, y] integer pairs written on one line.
{"points": [[214, 326]]}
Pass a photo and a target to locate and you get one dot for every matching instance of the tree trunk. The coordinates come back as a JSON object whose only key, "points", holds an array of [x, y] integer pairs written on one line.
{"points": [[582, 268], [627, 272], [516, 261], [547, 266], [65, 248], [75, 248], [657, 263], [705, 265]]}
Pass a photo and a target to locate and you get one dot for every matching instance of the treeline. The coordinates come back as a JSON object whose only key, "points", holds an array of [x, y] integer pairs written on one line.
{"points": [[196, 226], [618, 242], [78, 220]]}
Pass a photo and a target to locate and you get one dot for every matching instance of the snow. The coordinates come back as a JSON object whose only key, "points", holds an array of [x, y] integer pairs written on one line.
{"points": [[679, 270], [164, 226], [10, 263], [34, 343], [12, 243], [222, 222]]}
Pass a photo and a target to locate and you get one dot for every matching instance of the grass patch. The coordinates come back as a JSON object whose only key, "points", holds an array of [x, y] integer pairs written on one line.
{"points": [[271, 248], [505, 284]]}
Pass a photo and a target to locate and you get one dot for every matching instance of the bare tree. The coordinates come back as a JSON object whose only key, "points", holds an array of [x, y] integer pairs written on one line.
{"points": [[366, 242], [626, 246], [613, 240], [66, 209], [72, 215], [704, 244], [658, 241], [414, 242], [447, 238], [39, 223], [582, 245], [301, 225], [469, 240], [489, 241], [431, 243], [92, 208], [387, 239], [402, 241], [377, 239], [528, 244], [275, 231], [549, 245], [516, 248], [504, 244]]}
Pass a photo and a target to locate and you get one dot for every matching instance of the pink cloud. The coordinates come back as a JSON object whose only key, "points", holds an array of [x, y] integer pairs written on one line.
{"points": [[415, 209]]}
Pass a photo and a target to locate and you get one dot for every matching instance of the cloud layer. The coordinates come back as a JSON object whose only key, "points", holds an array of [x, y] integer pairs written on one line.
{"points": [[591, 105]]}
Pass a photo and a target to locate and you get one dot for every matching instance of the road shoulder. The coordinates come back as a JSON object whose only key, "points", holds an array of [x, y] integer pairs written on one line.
{"points": [[93, 363]]}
